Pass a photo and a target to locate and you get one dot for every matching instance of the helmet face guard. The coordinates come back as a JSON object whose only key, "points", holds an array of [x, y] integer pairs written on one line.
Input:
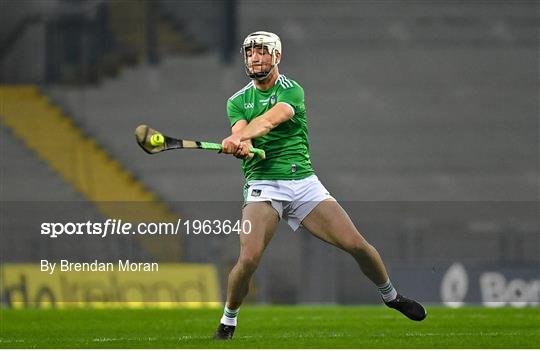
{"points": [[267, 41]]}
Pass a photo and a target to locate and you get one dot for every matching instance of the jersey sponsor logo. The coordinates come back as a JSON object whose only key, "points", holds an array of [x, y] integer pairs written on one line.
{"points": [[256, 192], [273, 100], [249, 105]]}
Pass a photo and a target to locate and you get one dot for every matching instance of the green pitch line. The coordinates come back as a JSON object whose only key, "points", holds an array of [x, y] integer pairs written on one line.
{"points": [[272, 327]]}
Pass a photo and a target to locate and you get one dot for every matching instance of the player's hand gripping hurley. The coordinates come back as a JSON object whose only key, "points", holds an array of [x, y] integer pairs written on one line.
{"points": [[152, 141]]}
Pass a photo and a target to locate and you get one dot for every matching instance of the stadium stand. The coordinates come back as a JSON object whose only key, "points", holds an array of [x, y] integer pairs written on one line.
{"points": [[80, 161]]}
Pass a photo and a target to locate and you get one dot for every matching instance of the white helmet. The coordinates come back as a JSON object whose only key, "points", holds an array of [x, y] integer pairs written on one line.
{"points": [[261, 39]]}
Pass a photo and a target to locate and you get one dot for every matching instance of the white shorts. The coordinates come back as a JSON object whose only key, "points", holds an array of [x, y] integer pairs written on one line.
{"points": [[292, 199]]}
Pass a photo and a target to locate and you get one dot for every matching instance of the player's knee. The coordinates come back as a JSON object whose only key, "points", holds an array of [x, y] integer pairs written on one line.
{"points": [[249, 262], [358, 246]]}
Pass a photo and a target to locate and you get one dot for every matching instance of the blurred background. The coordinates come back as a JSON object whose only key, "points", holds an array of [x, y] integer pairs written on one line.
{"points": [[423, 120]]}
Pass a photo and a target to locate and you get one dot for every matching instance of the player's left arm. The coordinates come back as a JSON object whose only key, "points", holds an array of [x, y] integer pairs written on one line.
{"points": [[269, 120], [259, 126]]}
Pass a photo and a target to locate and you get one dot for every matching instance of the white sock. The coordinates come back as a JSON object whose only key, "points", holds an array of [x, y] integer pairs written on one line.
{"points": [[229, 316], [387, 291]]}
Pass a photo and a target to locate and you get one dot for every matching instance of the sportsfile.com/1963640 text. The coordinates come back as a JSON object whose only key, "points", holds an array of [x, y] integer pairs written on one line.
{"points": [[120, 227]]}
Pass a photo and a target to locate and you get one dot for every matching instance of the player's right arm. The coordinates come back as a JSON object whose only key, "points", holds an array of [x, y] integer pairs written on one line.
{"points": [[238, 122], [243, 149]]}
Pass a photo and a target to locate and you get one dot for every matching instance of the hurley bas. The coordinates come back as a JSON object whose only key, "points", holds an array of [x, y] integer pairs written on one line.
{"points": [[96, 266]]}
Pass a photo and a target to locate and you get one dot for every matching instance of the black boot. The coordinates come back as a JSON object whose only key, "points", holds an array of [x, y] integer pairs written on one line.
{"points": [[410, 308], [224, 332]]}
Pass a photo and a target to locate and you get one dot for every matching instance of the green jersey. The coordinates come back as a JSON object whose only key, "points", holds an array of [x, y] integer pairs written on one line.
{"points": [[286, 146]]}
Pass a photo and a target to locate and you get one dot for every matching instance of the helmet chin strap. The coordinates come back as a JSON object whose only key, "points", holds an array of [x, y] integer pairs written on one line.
{"points": [[260, 76]]}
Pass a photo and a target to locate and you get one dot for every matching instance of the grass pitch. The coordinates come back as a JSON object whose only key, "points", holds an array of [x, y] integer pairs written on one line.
{"points": [[272, 327]]}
